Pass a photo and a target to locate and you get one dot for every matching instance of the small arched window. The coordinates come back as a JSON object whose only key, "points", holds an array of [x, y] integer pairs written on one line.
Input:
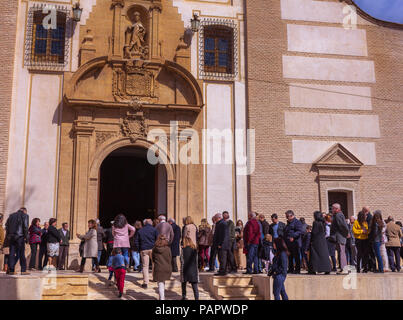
{"points": [[218, 49]]}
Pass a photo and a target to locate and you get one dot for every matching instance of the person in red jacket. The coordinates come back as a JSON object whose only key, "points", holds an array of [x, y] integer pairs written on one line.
{"points": [[251, 237]]}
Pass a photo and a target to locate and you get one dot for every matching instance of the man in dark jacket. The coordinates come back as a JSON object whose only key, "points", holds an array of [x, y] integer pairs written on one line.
{"points": [[17, 233], [175, 244], [64, 245], [293, 238], [231, 230], [222, 243], [276, 229], [338, 234], [371, 251], [251, 238], [145, 241]]}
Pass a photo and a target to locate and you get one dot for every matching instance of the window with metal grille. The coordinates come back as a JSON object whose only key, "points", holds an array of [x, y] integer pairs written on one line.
{"points": [[48, 44], [218, 49]]}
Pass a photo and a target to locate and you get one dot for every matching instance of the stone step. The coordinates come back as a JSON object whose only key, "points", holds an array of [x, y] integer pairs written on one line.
{"points": [[234, 297], [234, 290], [232, 281]]}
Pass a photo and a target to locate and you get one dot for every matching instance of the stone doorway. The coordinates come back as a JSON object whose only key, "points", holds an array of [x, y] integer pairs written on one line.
{"points": [[129, 184], [344, 198]]}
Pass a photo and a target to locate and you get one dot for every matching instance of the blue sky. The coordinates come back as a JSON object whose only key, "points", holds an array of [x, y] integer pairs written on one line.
{"points": [[387, 10]]}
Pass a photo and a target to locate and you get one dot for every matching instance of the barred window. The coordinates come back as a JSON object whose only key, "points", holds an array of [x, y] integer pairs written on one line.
{"points": [[218, 49], [48, 44]]}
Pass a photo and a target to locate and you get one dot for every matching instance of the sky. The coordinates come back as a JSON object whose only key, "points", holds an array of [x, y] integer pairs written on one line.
{"points": [[387, 10]]}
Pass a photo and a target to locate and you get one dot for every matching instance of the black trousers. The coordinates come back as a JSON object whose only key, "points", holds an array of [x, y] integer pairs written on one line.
{"points": [[362, 253], [61, 260], [34, 250], [194, 287], [394, 257], [17, 252], [371, 257], [231, 258], [43, 256], [213, 255], [294, 249], [94, 261], [174, 264], [223, 258]]}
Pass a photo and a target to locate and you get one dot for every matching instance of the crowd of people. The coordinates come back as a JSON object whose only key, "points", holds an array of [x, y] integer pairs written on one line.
{"points": [[331, 244]]}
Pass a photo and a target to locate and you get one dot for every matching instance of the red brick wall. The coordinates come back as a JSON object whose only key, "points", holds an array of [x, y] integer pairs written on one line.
{"points": [[7, 49]]}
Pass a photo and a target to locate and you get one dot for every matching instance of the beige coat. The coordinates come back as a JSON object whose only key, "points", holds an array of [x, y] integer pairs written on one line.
{"points": [[91, 244], [190, 231], [394, 233]]}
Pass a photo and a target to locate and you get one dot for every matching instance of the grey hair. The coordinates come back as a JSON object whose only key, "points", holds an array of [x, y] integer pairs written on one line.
{"points": [[253, 214], [336, 205], [218, 216], [148, 221], [171, 220], [162, 217], [378, 212]]}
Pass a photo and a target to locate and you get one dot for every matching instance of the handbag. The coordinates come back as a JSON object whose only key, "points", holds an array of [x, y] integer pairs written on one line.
{"points": [[270, 271]]}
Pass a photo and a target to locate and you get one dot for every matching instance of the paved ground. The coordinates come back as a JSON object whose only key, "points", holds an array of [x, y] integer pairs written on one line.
{"points": [[98, 288]]}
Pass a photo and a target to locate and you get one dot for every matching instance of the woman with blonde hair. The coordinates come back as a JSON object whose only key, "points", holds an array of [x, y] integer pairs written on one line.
{"points": [[190, 230], [189, 272], [162, 260], [204, 243]]}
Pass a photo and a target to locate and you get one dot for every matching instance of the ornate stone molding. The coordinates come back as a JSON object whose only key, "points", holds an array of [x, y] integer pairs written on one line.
{"points": [[134, 126], [134, 82], [103, 136]]}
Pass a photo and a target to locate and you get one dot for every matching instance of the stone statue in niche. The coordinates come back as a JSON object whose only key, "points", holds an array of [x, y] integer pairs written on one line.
{"points": [[135, 44]]}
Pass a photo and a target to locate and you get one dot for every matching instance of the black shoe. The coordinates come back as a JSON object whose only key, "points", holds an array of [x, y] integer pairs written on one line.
{"points": [[183, 298], [144, 286], [220, 274], [296, 272], [247, 272], [311, 272], [120, 295], [327, 272], [234, 271]]}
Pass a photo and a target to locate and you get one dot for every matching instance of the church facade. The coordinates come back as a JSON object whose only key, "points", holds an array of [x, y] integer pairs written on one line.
{"points": [[130, 110], [119, 112]]}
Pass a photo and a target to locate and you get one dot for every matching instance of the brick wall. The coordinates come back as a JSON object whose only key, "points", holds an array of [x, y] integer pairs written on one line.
{"points": [[7, 46], [278, 184]]}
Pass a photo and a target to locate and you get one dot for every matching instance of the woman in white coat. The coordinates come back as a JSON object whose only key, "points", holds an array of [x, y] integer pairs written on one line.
{"points": [[90, 246]]}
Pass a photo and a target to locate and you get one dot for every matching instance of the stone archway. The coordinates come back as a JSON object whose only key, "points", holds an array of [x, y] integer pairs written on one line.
{"points": [[93, 187]]}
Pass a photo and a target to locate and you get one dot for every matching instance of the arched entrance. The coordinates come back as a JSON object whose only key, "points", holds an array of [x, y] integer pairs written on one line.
{"points": [[129, 184]]}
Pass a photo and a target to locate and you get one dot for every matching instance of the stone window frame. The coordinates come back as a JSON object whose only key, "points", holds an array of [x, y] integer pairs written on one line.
{"points": [[29, 40], [228, 23]]}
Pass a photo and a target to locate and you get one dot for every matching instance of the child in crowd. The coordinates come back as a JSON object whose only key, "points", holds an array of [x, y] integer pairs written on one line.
{"points": [[306, 242], [110, 269], [119, 267], [267, 254]]}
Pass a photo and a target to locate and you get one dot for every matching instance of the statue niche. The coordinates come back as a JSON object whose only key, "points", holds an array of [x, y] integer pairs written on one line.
{"points": [[135, 44]]}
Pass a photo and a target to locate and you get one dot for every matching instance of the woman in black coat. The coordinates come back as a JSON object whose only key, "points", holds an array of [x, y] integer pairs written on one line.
{"points": [[319, 254], [189, 267]]}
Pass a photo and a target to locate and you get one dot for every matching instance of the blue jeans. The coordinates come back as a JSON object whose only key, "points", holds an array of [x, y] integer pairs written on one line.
{"points": [[125, 253], [17, 252], [98, 258], [252, 258], [278, 287], [377, 249], [136, 259]]}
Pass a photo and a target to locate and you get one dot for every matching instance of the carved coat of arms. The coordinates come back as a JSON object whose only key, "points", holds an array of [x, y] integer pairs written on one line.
{"points": [[134, 127]]}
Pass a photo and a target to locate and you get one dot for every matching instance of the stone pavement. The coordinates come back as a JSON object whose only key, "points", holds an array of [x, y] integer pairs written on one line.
{"points": [[98, 288]]}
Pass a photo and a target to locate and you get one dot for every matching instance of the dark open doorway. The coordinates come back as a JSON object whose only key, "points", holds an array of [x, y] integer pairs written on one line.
{"points": [[128, 186], [342, 198]]}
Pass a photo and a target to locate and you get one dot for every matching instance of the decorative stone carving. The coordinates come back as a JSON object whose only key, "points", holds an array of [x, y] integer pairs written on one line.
{"points": [[103, 136], [135, 45], [134, 82], [134, 126]]}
